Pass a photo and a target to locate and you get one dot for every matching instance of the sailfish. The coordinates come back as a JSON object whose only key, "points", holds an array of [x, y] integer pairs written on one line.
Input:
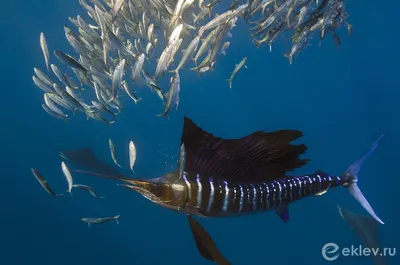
{"points": [[219, 177], [366, 229]]}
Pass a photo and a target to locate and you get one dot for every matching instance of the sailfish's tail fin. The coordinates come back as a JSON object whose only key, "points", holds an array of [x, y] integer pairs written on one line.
{"points": [[352, 174]]}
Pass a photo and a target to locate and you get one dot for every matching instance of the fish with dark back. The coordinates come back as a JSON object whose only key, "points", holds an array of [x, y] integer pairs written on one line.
{"points": [[236, 177]]}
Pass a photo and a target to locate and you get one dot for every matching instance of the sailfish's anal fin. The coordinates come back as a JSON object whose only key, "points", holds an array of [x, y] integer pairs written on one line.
{"points": [[205, 244]]}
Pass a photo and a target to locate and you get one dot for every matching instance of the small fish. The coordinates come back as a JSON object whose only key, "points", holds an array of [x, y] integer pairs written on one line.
{"points": [[130, 93], [237, 68], [88, 189], [60, 75], [223, 18], [59, 101], [54, 114], [132, 155], [173, 95], [117, 79], [349, 29], [138, 68], [69, 61], [68, 176], [112, 150], [182, 156], [44, 183], [150, 31], [188, 53], [42, 76], [51, 104], [45, 49], [175, 34], [224, 47], [117, 6], [40, 84], [148, 47], [100, 220], [176, 15]]}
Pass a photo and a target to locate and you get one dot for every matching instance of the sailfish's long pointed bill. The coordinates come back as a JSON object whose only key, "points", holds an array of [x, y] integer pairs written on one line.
{"points": [[105, 176], [132, 183], [148, 189], [136, 185]]}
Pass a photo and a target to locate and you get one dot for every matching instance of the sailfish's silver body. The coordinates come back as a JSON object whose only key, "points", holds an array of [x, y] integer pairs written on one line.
{"points": [[220, 198]]}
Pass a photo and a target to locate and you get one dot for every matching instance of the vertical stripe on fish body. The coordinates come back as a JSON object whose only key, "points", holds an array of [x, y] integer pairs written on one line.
{"points": [[220, 198]]}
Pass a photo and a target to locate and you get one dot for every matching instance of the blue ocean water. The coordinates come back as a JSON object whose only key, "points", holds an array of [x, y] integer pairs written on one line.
{"points": [[341, 98]]}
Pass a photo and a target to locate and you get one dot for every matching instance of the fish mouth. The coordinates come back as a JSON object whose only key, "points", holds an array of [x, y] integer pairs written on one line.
{"points": [[141, 186]]}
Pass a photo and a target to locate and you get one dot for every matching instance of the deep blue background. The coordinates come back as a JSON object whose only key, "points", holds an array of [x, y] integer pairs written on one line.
{"points": [[341, 98]]}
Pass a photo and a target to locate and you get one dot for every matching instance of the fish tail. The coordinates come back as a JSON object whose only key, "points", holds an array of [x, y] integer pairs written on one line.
{"points": [[165, 114], [289, 56], [229, 82], [116, 218], [352, 178]]}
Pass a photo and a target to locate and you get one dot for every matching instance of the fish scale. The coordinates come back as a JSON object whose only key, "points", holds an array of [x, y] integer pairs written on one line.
{"points": [[219, 198]]}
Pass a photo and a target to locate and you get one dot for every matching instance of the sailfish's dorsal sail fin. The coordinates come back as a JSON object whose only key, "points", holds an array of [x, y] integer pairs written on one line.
{"points": [[260, 156]]}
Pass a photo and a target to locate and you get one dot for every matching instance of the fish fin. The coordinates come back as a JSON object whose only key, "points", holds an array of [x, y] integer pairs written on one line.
{"points": [[352, 174], [229, 82], [116, 218], [362, 226], [283, 212], [260, 156], [164, 115], [290, 57], [205, 244], [88, 225], [86, 157]]}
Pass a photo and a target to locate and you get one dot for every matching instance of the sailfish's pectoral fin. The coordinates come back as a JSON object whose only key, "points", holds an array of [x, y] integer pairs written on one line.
{"points": [[283, 212], [205, 244]]}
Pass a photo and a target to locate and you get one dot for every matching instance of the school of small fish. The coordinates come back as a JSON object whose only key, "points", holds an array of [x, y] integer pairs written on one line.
{"points": [[125, 45], [70, 182]]}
